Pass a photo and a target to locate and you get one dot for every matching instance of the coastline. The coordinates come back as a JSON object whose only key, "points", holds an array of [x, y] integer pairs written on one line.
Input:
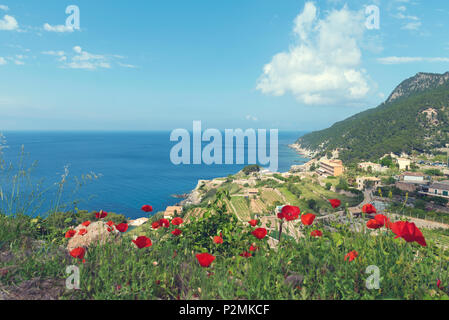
{"points": [[303, 151]]}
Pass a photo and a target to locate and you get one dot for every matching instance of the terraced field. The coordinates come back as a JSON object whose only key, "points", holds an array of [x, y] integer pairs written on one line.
{"points": [[243, 211]]}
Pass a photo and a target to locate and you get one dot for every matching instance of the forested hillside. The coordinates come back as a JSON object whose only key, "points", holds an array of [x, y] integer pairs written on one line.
{"points": [[414, 117]]}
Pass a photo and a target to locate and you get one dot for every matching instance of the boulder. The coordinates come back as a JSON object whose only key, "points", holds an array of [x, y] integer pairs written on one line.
{"points": [[137, 222], [97, 233]]}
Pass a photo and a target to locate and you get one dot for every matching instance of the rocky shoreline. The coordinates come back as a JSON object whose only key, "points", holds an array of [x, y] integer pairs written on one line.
{"points": [[303, 151]]}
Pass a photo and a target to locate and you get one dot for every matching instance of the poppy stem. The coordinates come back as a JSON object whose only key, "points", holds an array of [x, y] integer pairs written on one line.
{"points": [[280, 230]]}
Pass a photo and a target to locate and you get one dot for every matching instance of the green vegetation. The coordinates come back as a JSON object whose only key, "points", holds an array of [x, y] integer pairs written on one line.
{"points": [[250, 169], [395, 126], [304, 268]]}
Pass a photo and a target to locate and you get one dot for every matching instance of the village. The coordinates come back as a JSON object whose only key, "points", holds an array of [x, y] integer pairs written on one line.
{"points": [[412, 188]]}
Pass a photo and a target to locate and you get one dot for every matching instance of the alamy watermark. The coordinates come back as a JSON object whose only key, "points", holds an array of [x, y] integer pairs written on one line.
{"points": [[373, 281], [73, 281], [373, 17], [190, 150], [73, 20]]}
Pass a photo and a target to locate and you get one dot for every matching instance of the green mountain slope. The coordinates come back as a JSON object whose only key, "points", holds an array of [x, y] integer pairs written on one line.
{"points": [[414, 117]]}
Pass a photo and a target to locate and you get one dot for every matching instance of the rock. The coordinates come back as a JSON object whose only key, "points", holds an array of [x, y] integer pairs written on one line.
{"points": [[137, 222], [97, 233]]}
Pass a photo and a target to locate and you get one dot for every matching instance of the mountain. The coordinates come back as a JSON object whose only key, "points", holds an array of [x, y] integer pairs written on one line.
{"points": [[414, 117]]}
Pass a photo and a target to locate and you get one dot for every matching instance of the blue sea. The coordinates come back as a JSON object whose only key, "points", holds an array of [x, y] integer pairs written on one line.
{"points": [[134, 167]]}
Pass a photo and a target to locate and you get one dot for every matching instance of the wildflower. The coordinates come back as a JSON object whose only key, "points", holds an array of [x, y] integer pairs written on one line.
{"points": [[155, 225], [142, 242], [155, 263], [70, 234], [351, 255], [307, 219], [383, 220], [109, 230], [408, 231], [164, 223], [316, 233], [218, 240], [100, 215], [110, 223], [118, 287], [85, 223], [78, 253], [122, 227], [289, 213], [335, 203], [253, 247], [253, 222], [245, 254], [158, 282], [82, 232], [147, 208], [205, 259], [373, 224], [439, 284], [176, 232], [259, 233], [369, 209], [177, 221]]}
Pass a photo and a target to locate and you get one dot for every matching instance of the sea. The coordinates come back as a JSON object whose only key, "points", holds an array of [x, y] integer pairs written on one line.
{"points": [[115, 171]]}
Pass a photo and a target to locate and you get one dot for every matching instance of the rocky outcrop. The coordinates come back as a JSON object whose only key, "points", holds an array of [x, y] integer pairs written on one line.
{"points": [[95, 233]]}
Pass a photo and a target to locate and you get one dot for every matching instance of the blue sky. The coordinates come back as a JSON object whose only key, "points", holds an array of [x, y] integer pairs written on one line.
{"points": [[159, 65]]}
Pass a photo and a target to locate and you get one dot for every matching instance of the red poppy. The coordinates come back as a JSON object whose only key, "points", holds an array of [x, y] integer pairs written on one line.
{"points": [[122, 227], [289, 213], [335, 203], [102, 214], [147, 208], [373, 224], [316, 233], [383, 220], [218, 240], [439, 284], [82, 232], [369, 208], [70, 234], [176, 232], [253, 222], [78, 253], [109, 230], [205, 259], [164, 223], [177, 221], [86, 223], [351, 255], [307, 219], [155, 225], [408, 231], [253, 248], [110, 223], [142, 242], [260, 233], [245, 254]]}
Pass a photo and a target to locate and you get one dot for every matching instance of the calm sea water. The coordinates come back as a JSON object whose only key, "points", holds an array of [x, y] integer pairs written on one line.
{"points": [[135, 167]]}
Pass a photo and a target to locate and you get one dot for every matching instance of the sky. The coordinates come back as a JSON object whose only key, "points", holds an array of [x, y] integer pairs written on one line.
{"points": [[160, 65]]}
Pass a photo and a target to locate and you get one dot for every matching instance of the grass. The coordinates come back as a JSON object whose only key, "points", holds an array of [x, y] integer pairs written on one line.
{"points": [[308, 268]]}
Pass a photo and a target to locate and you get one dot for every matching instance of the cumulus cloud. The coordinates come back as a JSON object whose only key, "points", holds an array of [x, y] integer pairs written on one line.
{"points": [[8, 23], [3, 7], [2, 61], [323, 66], [58, 28]]}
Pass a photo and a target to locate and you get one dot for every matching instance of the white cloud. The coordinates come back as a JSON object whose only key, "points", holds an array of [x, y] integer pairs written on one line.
{"points": [[251, 118], [323, 67], [3, 61], [3, 7], [400, 60], [58, 28], [85, 60], [8, 23], [81, 59], [412, 26]]}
